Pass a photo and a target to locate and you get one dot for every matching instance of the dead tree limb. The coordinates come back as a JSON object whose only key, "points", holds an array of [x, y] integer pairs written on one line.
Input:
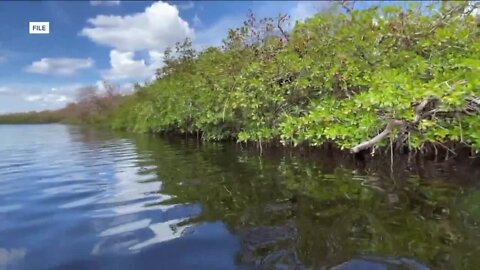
{"points": [[391, 126], [282, 19], [346, 5]]}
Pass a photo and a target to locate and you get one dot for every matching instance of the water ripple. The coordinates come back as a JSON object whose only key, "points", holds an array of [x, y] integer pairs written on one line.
{"points": [[102, 194]]}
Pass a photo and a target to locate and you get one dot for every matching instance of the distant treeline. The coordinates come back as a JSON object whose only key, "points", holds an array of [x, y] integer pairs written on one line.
{"points": [[384, 76], [92, 106], [31, 117]]}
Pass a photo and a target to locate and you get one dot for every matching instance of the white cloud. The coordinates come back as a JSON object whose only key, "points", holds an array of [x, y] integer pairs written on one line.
{"points": [[186, 6], [105, 3], [125, 67], [197, 23], [23, 97], [474, 6], [68, 89], [48, 98], [306, 9], [59, 66], [123, 89], [10, 256], [4, 90], [214, 34], [100, 86], [33, 97], [158, 27], [156, 58], [126, 88], [476, 12]]}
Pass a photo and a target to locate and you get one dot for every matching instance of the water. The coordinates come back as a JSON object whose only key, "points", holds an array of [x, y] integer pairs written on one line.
{"points": [[79, 198]]}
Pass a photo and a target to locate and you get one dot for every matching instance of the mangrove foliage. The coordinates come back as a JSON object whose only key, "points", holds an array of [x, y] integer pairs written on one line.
{"points": [[343, 77]]}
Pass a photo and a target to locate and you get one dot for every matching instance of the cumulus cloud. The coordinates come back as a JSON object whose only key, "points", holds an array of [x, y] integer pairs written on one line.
{"points": [[105, 3], [158, 27], [59, 66], [156, 59], [124, 66], [137, 39]]}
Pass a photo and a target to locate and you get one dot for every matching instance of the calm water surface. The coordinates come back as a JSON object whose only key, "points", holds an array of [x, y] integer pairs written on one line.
{"points": [[77, 198]]}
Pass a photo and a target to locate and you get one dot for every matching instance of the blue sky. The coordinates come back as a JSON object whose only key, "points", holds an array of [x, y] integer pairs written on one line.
{"points": [[121, 42]]}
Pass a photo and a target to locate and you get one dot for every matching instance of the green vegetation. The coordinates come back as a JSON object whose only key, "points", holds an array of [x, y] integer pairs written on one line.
{"points": [[31, 118], [342, 77], [335, 78]]}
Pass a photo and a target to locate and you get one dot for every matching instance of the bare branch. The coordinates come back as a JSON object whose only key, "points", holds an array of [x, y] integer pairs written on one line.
{"points": [[392, 125], [419, 109], [281, 20], [346, 6], [429, 107]]}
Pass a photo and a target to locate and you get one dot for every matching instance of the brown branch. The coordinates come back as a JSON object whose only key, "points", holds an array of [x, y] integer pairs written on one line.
{"points": [[415, 36], [428, 107], [347, 6], [441, 21], [392, 125], [282, 19], [419, 109]]}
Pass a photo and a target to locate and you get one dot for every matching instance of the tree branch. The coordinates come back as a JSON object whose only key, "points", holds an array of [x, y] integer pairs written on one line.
{"points": [[281, 20], [347, 6], [429, 107], [392, 125]]}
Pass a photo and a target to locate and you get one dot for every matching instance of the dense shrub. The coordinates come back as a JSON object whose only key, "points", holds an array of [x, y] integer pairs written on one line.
{"points": [[337, 77]]}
